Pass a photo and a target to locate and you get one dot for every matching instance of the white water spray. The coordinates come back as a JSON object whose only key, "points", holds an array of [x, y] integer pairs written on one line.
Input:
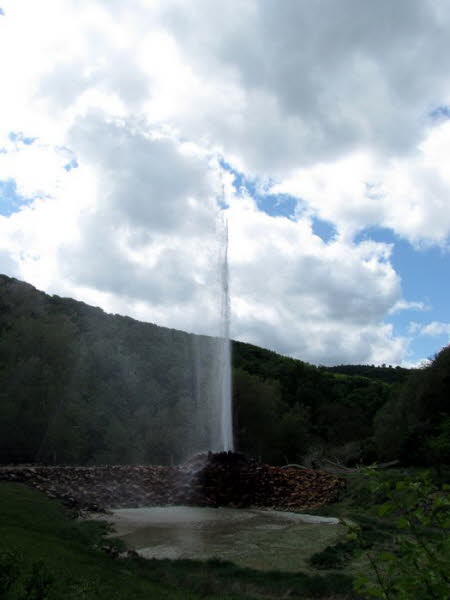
{"points": [[224, 350], [209, 424]]}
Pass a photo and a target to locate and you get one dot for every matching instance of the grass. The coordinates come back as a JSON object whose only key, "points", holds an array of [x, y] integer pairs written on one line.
{"points": [[216, 575], [47, 555]]}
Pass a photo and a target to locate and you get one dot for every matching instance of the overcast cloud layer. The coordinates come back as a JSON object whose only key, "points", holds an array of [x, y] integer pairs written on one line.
{"points": [[123, 125]]}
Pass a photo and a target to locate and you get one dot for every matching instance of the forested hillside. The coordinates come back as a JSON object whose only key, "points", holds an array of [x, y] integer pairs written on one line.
{"points": [[78, 385], [388, 374], [291, 408]]}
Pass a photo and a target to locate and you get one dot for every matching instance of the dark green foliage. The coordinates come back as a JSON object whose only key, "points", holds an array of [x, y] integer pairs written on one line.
{"points": [[387, 374], [415, 561], [412, 425], [258, 409], [81, 386], [266, 427], [295, 427], [335, 408], [439, 444]]}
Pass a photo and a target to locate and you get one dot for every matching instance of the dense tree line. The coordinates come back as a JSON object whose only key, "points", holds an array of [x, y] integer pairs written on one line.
{"points": [[309, 408], [414, 425], [81, 386], [388, 374]]}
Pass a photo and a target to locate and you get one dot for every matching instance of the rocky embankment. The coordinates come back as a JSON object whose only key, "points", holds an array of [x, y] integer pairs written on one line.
{"points": [[222, 479]]}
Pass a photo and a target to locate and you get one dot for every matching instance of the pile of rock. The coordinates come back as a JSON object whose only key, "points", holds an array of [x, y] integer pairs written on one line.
{"points": [[220, 479], [94, 488], [232, 479]]}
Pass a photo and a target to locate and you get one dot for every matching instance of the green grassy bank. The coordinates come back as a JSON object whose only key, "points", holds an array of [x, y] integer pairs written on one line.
{"points": [[45, 554]]}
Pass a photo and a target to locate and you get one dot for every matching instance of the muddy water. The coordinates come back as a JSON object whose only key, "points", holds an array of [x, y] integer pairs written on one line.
{"points": [[251, 538]]}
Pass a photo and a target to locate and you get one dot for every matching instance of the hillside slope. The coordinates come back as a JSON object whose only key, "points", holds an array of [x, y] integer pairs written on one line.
{"points": [[78, 385]]}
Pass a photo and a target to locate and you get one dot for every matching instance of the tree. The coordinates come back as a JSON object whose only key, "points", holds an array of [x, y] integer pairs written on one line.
{"points": [[295, 434], [405, 425], [416, 563], [257, 413]]}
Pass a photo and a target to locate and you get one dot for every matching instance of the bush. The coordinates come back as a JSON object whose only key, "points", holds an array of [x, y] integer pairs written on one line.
{"points": [[416, 563]]}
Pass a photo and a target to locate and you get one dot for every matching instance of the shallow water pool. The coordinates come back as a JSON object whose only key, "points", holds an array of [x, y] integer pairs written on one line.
{"points": [[259, 539]]}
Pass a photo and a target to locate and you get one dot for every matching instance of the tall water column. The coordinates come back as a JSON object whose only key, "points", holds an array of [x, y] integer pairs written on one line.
{"points": [[224, 351], [209, 426]]}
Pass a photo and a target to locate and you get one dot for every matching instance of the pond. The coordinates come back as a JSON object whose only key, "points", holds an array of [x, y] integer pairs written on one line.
{"points": [[258, 539]]}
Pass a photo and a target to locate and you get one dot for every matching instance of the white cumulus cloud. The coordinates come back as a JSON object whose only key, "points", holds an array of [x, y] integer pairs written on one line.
{"points": [[134, 105]]}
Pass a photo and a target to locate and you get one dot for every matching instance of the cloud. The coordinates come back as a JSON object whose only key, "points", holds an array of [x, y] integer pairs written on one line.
{"points": [[8, 265], [432, 329], [134, 229], [149, 233], [408, 305], [316, 100], [332, 109], [34, 167], [317, 80], [274, 88], [151, 240], [408, 195], [296, 294]]}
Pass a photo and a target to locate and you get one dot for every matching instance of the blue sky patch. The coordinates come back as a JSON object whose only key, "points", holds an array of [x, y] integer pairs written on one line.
{"points": [[324, 229], [2, 12], [18, 136], [10, 200], [275, 205], [377, 234], [424, 277], [423, 272], [441, 113], [72, 164]]}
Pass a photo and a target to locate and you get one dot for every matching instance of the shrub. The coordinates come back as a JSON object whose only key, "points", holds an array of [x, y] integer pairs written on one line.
{"points": [[416, 563]]}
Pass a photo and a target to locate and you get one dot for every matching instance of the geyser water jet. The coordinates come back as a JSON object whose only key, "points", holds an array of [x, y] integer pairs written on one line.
{"points": [[224, 351], [208, 425]]}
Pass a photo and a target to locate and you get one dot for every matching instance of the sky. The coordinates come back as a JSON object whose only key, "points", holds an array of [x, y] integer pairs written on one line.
{"points": [[320, 131]]}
